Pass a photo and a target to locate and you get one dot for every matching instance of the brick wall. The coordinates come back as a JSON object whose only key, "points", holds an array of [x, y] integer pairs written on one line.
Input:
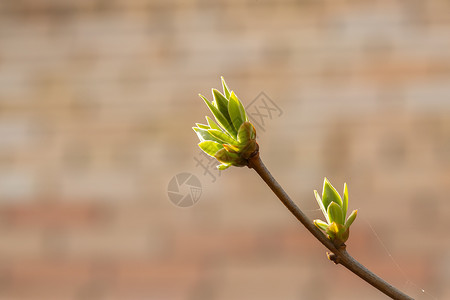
{"points": [[97, 100]]}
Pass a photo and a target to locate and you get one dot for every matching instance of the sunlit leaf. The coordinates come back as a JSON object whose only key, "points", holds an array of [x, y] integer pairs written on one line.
{"points": [[202, 126], [236, 111], [223, 166], [345, 200], [332, 230], [246, 133], [226, 90], [210, 147], [322, 208], [231, 148], [321, 224], [330, 194], [221, 104], [341, 234], [220, 118], [351, 218], [227, 146], [213, 124], [335, 213], [222, 136], [204, 135]]}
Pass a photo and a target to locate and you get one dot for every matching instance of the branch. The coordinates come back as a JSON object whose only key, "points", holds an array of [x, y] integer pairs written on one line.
{"points": [[339, 255]]}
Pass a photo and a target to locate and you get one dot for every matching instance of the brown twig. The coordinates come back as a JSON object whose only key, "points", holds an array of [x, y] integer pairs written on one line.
{"points": [[339, 254]]}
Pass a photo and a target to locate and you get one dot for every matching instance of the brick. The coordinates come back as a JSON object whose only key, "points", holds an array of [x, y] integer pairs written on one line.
{"points": [[96, 104], [46, 215]]}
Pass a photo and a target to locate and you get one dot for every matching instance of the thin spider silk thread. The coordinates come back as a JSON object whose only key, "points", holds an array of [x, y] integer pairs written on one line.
{"points": [[406, 278]]}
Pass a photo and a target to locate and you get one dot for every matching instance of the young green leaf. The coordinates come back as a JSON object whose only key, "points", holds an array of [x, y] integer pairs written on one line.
{"points": [[321, 224], [223, 166], [236, 111], [351, 218], [220, 118], [330, 194], [221, 104], [246, 133], [225, 138], [335, 213], [202, 126], [210, 147], [231, 148], [204, 135], [319, 201], [342, 234], [345, 200], [332, 230], [226, 90], [213, 124], [229, 158]]}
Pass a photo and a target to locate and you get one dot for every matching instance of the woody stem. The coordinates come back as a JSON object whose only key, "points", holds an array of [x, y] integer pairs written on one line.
{"points": [[340, 256]]}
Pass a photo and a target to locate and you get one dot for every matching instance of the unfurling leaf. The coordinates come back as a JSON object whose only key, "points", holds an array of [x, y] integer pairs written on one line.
{"points": [[229, 158], [202, 126], [321, 224], [220, 118], [220, 135], [226, 90], [345, 200], [334, 208], [204, 135], [330, 194], [222, 104], [335, 213], [230, 138], [246, 133], [323, 208], [210, 147], [236, 111], [351, 218], [231, 148], [212, 124], [223, 166]]}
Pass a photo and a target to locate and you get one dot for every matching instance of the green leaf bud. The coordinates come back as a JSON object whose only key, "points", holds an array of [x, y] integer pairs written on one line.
{"points": [[232, 140]]}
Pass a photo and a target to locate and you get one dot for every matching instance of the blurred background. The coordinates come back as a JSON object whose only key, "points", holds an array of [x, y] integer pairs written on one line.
{"points": [[97, 101]]}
